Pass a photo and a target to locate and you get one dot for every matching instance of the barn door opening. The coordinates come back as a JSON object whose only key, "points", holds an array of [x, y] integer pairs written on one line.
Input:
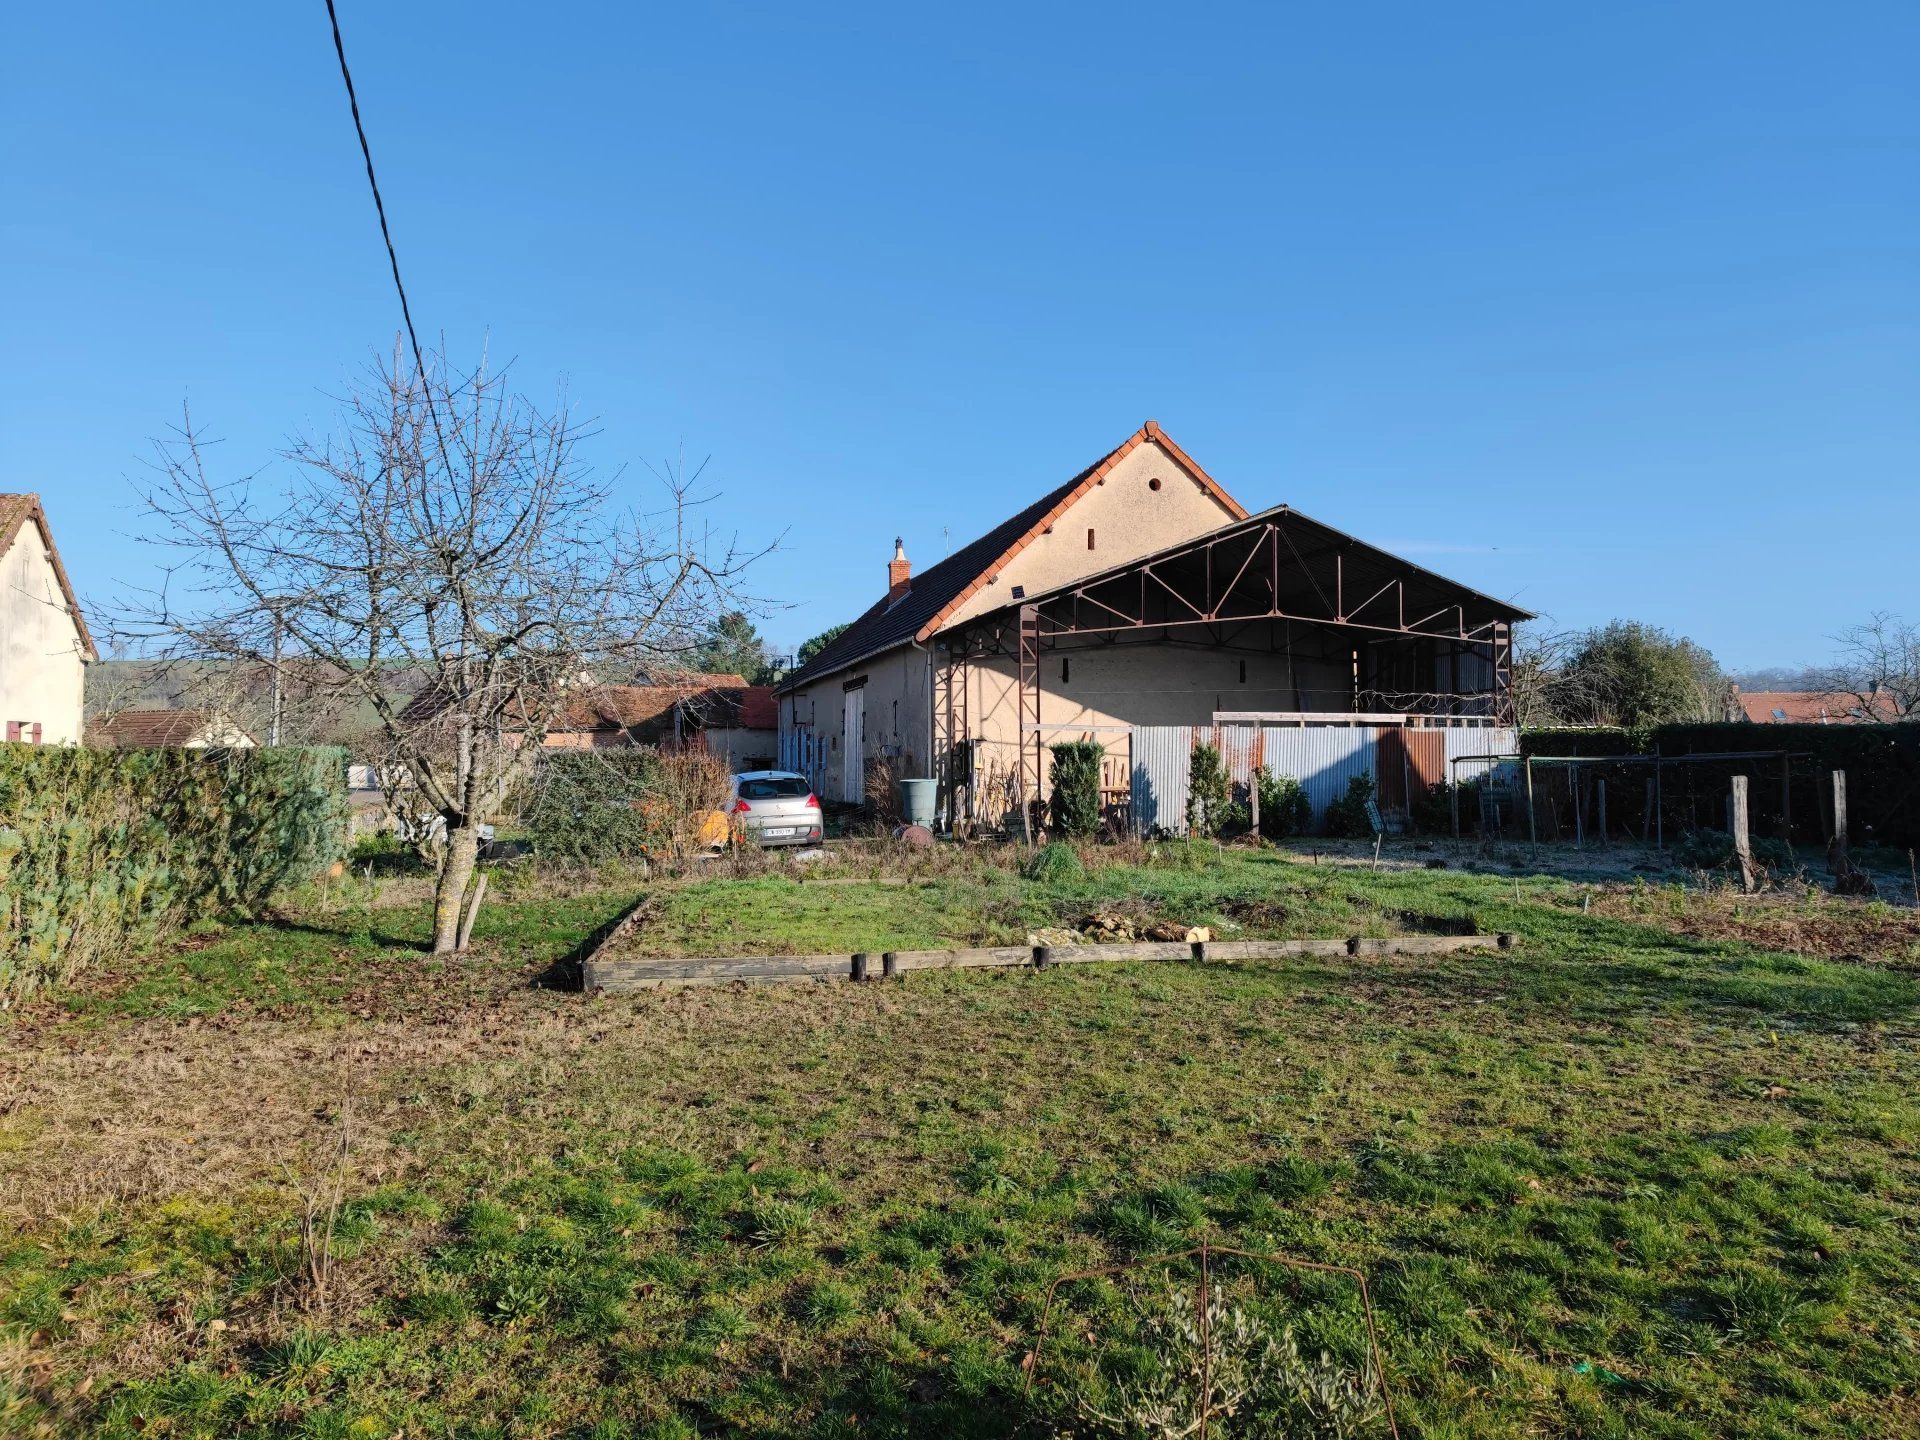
{"points": [[853, 747]]}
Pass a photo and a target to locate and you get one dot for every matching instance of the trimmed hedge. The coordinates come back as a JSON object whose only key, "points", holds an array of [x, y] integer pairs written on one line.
{"points": [[1882, 764], [99, 845]]}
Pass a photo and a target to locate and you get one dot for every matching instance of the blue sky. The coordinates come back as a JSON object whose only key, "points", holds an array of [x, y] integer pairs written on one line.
{"points": [[1614, 310]]}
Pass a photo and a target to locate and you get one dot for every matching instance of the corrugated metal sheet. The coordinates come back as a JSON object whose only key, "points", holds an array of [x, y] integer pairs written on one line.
{"points": [[1322, 758], [1161, 759], [1477, 741]]}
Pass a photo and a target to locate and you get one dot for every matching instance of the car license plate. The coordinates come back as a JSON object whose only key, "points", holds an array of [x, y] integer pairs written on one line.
{"points": [[778, 830]]}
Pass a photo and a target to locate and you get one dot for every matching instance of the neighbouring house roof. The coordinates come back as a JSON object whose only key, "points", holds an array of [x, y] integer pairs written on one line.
{"points": [[615, 707], [691, 679], [645, 709], [15, 511], [156, 729], [943, 588], [599, 707], [1810, 707]]}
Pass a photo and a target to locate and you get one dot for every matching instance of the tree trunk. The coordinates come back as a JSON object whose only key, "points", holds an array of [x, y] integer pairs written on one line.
{"points": [[450, 896]]}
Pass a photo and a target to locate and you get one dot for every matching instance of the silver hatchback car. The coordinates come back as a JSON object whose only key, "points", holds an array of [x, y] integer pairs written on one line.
{"points": [[775, 807]]}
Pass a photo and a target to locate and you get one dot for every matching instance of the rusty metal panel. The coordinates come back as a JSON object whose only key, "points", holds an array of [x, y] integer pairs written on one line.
{"points": [[1322, 757], [1239, 752], [1426, 758]]}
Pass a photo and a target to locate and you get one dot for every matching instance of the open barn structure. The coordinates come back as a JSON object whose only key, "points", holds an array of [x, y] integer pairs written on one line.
{"points": [[1142, 606]]}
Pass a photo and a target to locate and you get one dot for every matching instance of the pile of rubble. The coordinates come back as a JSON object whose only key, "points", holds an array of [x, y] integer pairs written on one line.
{"points": [[1110, 925]]}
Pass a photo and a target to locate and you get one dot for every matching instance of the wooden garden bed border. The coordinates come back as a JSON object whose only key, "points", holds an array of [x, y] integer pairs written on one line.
{"points": [[614, 977]]}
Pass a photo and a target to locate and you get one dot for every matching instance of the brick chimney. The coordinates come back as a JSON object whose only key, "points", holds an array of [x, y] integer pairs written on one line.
{"points": [[899, 571]]}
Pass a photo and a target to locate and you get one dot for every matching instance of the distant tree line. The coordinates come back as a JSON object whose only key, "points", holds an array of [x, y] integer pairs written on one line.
{"points": [[1633, 674]]}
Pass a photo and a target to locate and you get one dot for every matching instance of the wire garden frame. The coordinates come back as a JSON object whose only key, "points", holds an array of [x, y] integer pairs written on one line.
{"points": [[1205, 1253], [1558, 794]]}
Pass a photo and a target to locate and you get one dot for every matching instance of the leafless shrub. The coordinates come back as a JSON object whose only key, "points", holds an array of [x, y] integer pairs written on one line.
{"points": [[1221, 1370], [686, 805], [1878, 667], [320, 1218], [882, 789]]}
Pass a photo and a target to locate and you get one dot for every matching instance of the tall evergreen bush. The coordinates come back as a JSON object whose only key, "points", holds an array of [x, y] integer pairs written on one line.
{"points": [[1208, 792], [1076, 787], [97, 846]]}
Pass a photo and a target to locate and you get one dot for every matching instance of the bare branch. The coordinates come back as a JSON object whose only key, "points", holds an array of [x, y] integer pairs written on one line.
{"points": [[489, 579]]}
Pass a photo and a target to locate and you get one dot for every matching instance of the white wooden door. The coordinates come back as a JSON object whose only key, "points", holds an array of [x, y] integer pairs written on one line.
{"points": [[853, 748]]}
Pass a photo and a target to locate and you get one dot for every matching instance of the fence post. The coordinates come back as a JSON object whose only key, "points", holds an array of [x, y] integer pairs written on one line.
{"points": [[1533, 827], [1253, 779], [1579, 808], [1786, 797], [1742, 842], [1600, 807], [1837, 860]]}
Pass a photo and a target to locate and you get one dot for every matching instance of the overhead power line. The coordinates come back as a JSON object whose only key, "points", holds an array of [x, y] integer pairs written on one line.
{"points": [[386, 234]]}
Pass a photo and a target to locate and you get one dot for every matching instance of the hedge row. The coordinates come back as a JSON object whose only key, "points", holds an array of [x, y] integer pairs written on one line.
{"points": [[590, 804], [100, 845], [1882, 764], [620, 803]]}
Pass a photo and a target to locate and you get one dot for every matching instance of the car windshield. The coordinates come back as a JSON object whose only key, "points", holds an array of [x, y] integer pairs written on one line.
{"points": [[780, 787]]}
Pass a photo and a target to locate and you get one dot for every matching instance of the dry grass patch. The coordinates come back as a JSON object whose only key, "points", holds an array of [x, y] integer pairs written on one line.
{"points": [[831, 1210]]}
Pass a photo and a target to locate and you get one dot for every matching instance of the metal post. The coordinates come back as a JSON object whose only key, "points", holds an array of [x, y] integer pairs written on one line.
{"points": [[1028, 665], [1533, 827], [1579, 808], [279, 702], [1659, 820]]}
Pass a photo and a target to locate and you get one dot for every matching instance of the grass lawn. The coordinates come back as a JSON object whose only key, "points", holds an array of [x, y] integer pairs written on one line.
{"points": [[1639, 1177]]}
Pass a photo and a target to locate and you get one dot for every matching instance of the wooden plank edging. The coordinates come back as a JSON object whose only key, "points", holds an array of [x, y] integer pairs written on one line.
{"points": [[620, 976]]}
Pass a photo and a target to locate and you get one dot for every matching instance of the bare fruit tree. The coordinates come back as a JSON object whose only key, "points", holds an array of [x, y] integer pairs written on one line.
{"points": [[1545, 691], [444, 540], [1878, 665]]}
